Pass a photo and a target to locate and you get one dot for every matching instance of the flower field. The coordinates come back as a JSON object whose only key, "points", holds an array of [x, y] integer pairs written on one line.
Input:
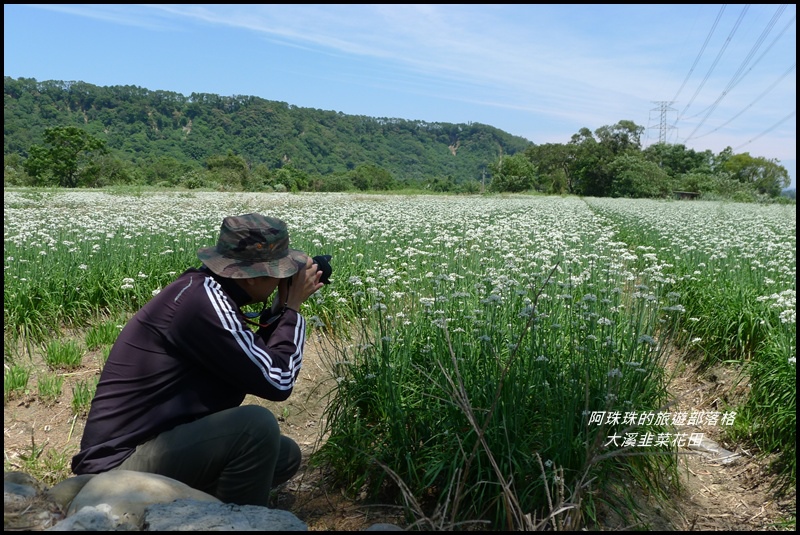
{"points": [[496, 358]]}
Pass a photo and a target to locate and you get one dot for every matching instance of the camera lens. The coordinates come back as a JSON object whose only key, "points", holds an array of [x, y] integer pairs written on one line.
{"points": [[323, 264]]}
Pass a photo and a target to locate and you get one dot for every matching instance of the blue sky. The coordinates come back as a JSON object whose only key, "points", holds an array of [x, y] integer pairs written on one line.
{"points": [[725, 74]]}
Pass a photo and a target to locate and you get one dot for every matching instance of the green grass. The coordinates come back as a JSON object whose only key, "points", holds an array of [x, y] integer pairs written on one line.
{"points": [[467, 393], [63, 354], [47, 465], [50, 387], [102, 334], [768, 418], [15, 380], [82, 394]]}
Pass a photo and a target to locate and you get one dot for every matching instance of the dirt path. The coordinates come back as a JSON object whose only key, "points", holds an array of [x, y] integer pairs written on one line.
{"points": [[727, 490]]}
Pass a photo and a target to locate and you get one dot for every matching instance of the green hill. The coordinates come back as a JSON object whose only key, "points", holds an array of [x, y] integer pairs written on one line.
{"points": [[143, 126]]}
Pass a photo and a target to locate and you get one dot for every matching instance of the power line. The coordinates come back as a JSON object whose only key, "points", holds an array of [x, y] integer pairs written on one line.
{"points": [[736, 78], [759, 97], [700, 54], [764, 35], [716, 60], [780, 34], [768, 130]]}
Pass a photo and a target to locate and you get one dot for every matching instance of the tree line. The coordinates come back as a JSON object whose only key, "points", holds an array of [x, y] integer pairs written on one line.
{"points": [[610, 162], [75, 134]]}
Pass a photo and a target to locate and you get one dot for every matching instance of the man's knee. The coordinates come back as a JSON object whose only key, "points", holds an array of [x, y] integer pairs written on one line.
{"points": [[257, 422]]}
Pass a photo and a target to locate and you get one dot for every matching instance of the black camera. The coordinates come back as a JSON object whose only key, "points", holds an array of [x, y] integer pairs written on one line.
{"points": [[324, 265]]}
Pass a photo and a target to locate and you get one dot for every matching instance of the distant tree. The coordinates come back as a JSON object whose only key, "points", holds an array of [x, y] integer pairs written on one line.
{"points": [[260, 178], [697, 182], [720, 159], [335, 182], [636, 177], [107, 170], [512, 174], [468, 187], [553, 163], [586, 165], [767, 176], [595, 160], [13, 170], [165, 171], [289, 178], [678, 160], [556, 182], [372, 177], [618, 138], [441, 184], [70, 150], [230, 170]]}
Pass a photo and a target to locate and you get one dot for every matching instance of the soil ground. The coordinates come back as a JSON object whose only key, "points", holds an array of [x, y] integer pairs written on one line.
{"points": [[714, 496]]}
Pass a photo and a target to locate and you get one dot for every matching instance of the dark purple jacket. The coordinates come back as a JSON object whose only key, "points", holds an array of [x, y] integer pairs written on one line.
{"points": [[186, 354]]}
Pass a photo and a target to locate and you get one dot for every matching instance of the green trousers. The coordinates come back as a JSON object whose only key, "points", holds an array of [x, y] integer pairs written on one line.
{"points": [[237, 455]]}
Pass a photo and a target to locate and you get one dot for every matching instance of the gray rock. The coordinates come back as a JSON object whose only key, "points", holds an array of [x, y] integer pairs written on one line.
{"points": [[192, 515], [18, 491], [91, 518], [25, 507], [64, 492], [134, 501], [20, 478], [128, 493], [19, 485]]}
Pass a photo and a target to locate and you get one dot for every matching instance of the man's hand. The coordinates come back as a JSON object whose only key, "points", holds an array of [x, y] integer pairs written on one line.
{"points": [[304, 283]]}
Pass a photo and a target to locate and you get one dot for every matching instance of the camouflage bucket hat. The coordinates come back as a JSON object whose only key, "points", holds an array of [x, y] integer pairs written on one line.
{"points": [[252, 245]]}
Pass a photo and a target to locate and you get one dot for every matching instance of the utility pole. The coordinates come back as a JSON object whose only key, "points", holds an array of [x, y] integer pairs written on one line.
{"points": [[663, 108]]}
